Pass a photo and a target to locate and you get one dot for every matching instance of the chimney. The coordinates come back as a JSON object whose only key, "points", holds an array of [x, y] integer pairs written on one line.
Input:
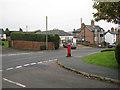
{"points": [[82, 25], [92, 22], [112, 29]]}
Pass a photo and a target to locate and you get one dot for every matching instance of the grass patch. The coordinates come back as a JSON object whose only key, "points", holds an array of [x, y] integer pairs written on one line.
{"points": [[106, 59]]}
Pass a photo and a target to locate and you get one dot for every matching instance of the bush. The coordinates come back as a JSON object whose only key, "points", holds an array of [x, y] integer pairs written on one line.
{"points": [[56, 41], [117, 53], [110, 49], [43, 47]]}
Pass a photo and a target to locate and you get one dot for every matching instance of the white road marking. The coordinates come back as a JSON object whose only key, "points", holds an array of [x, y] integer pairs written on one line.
{"points": [[9, 68], [16, 83], [26, 65], [1, 70], [18, 66], [45, 61], [55, 59], [39, 62], [32, 63]]}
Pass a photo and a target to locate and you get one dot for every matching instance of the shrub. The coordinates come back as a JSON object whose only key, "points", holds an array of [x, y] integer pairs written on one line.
{"points": [[110, 49], [117, 53], [56, 41], [43, 47]]}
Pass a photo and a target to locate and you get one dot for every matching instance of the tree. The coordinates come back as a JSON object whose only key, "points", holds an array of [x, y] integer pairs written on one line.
{"points": [[108, 11], [37, 31], [7, 32], [20, 30]]}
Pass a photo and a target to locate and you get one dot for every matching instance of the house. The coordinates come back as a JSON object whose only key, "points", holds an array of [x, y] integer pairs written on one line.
{"points": [[64, 36], [2, 34], [92, 34], [112, 36]]}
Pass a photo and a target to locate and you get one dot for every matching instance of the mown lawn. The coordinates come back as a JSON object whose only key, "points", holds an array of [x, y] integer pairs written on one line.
{"points": [[106, 59]]}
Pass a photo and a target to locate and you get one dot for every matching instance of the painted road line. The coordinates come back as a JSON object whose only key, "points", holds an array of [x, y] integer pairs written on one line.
{"points": [[18, 66], [9, 68], [26, 65], [55, 59], [39, 62], [45, 61], [1, 70], [16, 83], [32, 63]]}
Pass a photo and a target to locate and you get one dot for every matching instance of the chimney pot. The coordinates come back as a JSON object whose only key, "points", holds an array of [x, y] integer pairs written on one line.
{"points": [[92, 22], [112, 29]]}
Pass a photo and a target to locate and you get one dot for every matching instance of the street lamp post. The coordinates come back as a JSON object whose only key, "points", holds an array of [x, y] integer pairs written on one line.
{"points": [[46, 34]]}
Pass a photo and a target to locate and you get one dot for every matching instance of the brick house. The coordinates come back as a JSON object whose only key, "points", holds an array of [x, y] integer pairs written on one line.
{"points": [[92, 34]]}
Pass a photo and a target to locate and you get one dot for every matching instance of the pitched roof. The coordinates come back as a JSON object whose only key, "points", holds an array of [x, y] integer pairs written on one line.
{"points": [[91, 28], [111, 32], [1, 31], [56, 31]]}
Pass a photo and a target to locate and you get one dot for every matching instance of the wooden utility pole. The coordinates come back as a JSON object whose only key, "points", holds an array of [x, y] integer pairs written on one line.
{"points": [[46, 34]]}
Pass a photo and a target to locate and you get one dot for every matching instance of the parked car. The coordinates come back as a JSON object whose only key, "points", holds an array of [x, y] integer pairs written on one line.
{"points": [[72, 45], [111, 45]]}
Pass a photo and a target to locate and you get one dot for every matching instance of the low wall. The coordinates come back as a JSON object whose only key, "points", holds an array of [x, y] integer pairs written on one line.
{"points": [[31, 45]]}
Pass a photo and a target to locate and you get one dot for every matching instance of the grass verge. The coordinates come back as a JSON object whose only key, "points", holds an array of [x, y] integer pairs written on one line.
{"points": [[106, 59]]}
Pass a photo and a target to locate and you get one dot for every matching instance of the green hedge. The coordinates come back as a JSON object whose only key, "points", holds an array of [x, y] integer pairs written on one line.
{"points": [[117, 53], [36, 37], [43, 47], [110, 49]]}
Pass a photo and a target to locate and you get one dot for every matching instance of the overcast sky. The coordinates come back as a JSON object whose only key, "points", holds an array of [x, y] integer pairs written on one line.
{"points": [[62, 14]]}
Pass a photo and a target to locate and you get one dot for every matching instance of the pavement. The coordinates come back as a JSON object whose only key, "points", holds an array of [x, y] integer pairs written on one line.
{"points": [[76, 64]]}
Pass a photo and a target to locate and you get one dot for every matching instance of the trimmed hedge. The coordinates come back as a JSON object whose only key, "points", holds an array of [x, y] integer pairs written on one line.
{"points": [[110, 49], [22, 36], [117, 53]]}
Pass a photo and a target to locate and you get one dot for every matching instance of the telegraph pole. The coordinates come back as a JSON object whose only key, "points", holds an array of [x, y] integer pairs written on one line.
{"points": [[26, 28], [46, 34]]}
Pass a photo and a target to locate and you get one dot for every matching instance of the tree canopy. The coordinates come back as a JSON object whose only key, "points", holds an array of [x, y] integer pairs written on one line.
{"points": [[7, 32], [109, 11], [20, 30]]}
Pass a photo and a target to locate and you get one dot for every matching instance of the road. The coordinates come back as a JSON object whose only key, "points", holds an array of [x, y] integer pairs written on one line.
{"points": [[39, 70]]}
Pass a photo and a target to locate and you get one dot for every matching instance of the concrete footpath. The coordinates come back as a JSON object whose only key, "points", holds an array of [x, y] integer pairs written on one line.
{"points": [[77, 65]]}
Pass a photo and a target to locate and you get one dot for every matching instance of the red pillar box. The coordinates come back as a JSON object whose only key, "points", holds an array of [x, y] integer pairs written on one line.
{"points": [[69, 50]]}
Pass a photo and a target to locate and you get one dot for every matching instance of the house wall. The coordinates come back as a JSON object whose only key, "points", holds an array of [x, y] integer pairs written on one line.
{"points": [[89, 36], [110, 38], [118, 38], [31, 45]]}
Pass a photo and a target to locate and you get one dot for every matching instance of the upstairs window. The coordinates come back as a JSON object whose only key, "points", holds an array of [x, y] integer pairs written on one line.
{"points": [[95, 32]]}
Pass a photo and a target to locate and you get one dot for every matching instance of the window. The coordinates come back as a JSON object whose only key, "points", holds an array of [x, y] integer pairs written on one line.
{"points": [[101, 35], [77, 34], [96, 39], [95, 32]]}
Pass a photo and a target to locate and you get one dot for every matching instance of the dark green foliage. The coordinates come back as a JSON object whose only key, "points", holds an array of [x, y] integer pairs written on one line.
{"points": [[43, 47], [104, 43], [108, 11], [56, 41], [7, 32], [20, 30], [117, 53], [36, 37]]}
